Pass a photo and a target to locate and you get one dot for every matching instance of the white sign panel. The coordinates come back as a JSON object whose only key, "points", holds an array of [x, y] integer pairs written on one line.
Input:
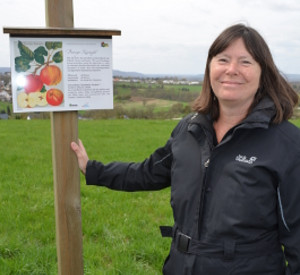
{"points": [[61, 74]]}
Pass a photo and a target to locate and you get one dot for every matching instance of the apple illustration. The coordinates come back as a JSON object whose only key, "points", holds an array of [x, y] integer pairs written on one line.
{"points": [[27, 100], [37, 99], [22, 100], [33, 83], [41, 99], [51, 75], [54, 97], [31, 100]]}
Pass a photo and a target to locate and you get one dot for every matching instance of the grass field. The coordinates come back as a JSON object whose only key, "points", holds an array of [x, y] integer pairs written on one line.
{"points": [[138, 100], [120, 230]]}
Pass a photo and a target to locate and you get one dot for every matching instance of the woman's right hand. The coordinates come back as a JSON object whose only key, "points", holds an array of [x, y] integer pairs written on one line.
{"points": [[81, 154]]}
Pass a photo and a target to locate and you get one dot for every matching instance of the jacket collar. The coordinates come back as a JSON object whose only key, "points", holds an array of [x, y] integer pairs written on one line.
{"points": [[262, 114], [260, 117]]}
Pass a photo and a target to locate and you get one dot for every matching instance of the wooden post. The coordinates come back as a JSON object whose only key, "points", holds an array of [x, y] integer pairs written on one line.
{"points": [[64, 127]]}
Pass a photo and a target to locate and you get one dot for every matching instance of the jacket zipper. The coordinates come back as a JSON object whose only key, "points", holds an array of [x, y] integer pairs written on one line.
{"points": [[206, 164], [225, 139], [202, 197]]}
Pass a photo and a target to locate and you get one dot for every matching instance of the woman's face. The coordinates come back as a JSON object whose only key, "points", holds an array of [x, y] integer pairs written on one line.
{"points": [[235, 76]]}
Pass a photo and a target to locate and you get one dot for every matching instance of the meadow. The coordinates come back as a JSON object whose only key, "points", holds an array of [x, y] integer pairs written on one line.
{"points": [[120, 230], [137, 100]]}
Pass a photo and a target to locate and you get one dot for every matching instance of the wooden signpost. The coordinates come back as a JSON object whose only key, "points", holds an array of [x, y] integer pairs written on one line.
{"points": [[64, 129]]}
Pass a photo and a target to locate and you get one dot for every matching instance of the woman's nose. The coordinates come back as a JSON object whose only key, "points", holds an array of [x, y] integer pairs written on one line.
{"points": [[232, 68]]}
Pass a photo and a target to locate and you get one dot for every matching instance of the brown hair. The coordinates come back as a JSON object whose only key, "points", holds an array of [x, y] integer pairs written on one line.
{"points": [[272, 83]]}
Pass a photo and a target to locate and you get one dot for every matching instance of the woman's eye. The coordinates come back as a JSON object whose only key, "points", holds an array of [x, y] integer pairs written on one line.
{"points": [[246, 62], [223, 60]]}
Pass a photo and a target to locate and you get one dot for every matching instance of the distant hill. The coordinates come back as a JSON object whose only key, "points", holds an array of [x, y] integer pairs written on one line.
{"points": [[4, 70], [117, 73], [190, 77], [293, 77], [123, 74]]}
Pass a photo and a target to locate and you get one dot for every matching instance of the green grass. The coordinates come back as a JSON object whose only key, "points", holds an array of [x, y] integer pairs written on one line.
{"points": [[296, 122], [120, 230], [4, 106]]}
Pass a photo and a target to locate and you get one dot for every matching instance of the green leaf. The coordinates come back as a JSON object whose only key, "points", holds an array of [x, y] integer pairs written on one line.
{"points": [[22, 64], [53, 45], [43, 89], [57, 45], [39, 59], [58, 57], [25, 51], [48, 45], [41, 51], [39, 54]]}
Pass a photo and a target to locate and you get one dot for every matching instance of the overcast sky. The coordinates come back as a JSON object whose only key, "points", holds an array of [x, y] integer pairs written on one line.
{"points": [[169, 36]]}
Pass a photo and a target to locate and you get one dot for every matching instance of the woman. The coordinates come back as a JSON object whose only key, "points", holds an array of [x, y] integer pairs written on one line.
{"points": [[233, 168]]}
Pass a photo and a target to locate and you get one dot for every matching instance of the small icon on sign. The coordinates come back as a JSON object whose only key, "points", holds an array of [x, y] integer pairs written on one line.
{"points": [[104, 45]]}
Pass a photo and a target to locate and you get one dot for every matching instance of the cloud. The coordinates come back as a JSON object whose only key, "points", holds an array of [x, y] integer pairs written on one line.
{"points": [[171, 35]]}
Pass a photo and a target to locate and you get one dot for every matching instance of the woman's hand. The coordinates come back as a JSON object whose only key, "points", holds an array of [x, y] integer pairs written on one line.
{"points": [[81, 155]]}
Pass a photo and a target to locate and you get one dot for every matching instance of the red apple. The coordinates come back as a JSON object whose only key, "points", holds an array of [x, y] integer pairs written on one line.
{"points": [[51, 75], [33, 83], [54, 97]]}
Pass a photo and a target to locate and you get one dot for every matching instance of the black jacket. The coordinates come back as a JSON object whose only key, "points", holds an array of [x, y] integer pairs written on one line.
{"points": [[234, 203]]}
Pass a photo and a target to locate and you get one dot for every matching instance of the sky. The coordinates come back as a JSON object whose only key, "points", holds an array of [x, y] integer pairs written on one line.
{"points": [[169, 36]]}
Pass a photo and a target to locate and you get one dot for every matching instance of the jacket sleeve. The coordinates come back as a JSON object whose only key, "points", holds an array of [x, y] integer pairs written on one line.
{"points": [[289, 211], [154, 173]]}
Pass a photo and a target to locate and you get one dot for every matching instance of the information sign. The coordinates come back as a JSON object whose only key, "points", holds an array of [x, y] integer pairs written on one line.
{"points": [[61, 74]]}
